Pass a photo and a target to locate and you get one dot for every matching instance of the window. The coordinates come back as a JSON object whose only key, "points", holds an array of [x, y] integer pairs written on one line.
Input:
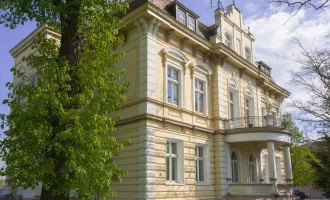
{"points": [[199, 96], [252, 169], [191, 23], [238, 46], [182, 16], [171, 162], [34, 80], [172, 86], [200, 164], [174, 161], [248, 54], [228, 40], [234, 167], [247, 108], [231, 105]]}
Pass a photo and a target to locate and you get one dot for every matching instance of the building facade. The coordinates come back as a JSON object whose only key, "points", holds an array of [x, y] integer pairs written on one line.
{"points": [[203, 116]]}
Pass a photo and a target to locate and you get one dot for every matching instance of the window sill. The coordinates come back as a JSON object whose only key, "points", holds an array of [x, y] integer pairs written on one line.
{"points": [[174, 184], [202, 184]]}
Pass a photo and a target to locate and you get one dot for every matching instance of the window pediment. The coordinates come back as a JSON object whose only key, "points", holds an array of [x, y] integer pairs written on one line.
{"points": [[202, 67], [232, 83], [176, 54]]}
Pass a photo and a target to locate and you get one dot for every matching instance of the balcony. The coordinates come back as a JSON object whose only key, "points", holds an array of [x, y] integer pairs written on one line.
{"points": [[257, 121], [283, 190]]}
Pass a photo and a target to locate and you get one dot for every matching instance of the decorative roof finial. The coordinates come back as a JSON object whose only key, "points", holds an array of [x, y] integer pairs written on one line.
{"points": [[220, 6], [249, 30], [234, 2]]}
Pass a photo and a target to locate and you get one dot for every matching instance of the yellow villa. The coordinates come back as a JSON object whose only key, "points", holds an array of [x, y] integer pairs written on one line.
{"points": [[203, 115]]}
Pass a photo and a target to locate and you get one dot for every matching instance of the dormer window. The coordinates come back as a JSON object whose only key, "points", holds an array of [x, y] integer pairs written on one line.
{"points": [[182, 16], [191, 23], [186, 19]]}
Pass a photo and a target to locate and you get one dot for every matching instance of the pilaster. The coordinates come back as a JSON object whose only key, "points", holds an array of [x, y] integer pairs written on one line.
{"points": [[146, 180], [147, 62]]}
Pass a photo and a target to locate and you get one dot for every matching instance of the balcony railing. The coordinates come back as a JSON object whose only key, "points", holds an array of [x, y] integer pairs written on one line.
{"points": [[257, 121]]}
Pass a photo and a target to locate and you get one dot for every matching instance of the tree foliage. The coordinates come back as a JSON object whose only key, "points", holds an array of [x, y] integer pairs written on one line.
{"points": [[300, 155], [321, 164], [60, 135]]}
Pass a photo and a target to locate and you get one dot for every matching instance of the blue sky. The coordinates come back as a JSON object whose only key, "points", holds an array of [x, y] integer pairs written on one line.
{"points": [[270, 27]]}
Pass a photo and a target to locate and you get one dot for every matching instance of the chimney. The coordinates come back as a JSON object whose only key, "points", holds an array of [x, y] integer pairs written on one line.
{"points": [[160, 3]]}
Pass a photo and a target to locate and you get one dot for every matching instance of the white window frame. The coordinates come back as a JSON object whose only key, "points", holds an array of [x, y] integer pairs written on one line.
{"points": [[188, 23], [206, 164], [255, 168], [18, 84], [180, 162], [185, 16], [205, 87], [178, 68]]}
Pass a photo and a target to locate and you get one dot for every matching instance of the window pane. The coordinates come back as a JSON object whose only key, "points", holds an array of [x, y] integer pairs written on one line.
{"points": [[191, 23], [174, 150], [232, 111], [169, 72], [236, 173], [174, 169], [231, 97], [200, 152], [196, 101], [196, 171], [182, 16], [175, 94], [175, 75], [167, 168], [233, 156], [201, 170], [200, 85], [169, 91], [201, 103], [167, 147]]}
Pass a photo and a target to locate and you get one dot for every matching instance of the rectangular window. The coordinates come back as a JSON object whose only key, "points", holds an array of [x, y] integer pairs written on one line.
{"points": [[172, 86], [200, 164], [263, 111], [238, 46], [191, 23], [182, 16], [231, 105], [199, 95], [174, 161]]}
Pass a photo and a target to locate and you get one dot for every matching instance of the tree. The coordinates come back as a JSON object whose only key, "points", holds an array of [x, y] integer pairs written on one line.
{"points": [[313, 75], [321, 164], [59, 130], [300, 155]]}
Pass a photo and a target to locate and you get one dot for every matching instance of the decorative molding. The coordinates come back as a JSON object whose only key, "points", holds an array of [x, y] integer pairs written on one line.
{"points": [[183, 43], [147, 26], [168, 35], [196, 49]]}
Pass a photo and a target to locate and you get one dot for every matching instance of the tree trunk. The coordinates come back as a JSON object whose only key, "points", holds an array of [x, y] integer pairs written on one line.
{"points": [[70, 51], [47, 195]]}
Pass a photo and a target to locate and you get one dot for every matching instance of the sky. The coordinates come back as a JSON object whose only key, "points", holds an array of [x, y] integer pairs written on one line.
{"points": [[273, 31]]}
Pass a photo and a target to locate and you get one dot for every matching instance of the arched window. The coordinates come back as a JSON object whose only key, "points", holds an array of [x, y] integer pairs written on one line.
{"points": [[228, 40], [248, 54], [252, 168], [234, 167]]}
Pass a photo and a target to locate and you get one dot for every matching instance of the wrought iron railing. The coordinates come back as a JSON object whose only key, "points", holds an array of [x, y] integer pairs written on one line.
{"points": [[256, 121]]}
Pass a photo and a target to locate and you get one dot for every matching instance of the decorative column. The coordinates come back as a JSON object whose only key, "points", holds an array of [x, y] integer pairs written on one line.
{"points": [[272, 165], [147, 62], [288, 166]]}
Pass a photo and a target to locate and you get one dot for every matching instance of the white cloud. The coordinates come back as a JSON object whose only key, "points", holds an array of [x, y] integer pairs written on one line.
{"points": [[273, 34]]}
